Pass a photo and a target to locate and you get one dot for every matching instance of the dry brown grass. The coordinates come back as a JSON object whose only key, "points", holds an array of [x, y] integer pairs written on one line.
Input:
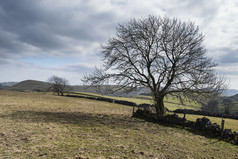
{"points": [[38, 125]]}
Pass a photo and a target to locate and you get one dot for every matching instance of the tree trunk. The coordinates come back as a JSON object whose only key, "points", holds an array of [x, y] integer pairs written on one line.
{"points": [[159, 106]]}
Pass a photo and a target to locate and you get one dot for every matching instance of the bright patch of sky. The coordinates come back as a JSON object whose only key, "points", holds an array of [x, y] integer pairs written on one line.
{"points": [[49, 60]]}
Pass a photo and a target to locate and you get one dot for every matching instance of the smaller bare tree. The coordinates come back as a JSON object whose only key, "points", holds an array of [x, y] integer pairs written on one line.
{"points": [[59, 85]]}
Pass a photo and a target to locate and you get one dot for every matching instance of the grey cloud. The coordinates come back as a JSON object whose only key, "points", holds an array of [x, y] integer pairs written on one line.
{"points": [[118, 2], [83, 69], [7, 62], [51, 28], [229, 57], [8, 42], [75, 68], [3, 61], [202, 9]]}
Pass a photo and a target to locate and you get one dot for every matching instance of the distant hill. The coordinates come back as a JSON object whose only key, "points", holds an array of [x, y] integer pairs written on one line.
{"points": [[78, 88], [234, 98], [34, 85], [3, 87], [231, 92], [94, 89], [30, 85], [6, 85]]}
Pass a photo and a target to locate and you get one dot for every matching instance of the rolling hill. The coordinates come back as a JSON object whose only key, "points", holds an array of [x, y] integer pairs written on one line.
{"points": [[30, 85], [104, 88], [42, 86], [34, 85], [231, 92]]}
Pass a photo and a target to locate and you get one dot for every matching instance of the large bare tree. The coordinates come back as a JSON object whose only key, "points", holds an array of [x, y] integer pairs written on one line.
{"points": [[166, 55]]}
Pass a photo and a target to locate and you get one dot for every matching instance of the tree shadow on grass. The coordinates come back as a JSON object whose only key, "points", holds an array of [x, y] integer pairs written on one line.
{"points": [[192, 130], [76, 118], [82, 119]]}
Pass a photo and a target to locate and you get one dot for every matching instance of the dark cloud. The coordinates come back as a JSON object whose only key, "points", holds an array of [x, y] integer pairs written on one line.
{"points": [[49, 26], [69, 27], [9, 43]]}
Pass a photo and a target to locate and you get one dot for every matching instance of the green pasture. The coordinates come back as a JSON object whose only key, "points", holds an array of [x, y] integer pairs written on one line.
{"points": [[170, 103], [42, 125]]}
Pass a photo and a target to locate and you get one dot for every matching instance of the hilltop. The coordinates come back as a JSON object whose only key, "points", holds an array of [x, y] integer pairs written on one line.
{"points": [[30, 85]]}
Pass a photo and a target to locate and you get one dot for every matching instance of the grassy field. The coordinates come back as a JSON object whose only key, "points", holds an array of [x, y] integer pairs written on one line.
{"points": [[229, 123], [38, 125], [170, 102]]}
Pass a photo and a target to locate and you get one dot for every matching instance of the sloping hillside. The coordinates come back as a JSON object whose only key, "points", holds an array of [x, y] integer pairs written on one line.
{"points": [[104, 91], [30, 85], [234, 98]]}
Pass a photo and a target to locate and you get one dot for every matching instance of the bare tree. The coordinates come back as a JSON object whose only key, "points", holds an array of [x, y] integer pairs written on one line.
{"points": [[59, 85], [163, 54]]}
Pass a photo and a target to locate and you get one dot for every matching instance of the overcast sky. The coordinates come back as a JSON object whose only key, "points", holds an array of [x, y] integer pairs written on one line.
{"points": [[41, 38]]}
